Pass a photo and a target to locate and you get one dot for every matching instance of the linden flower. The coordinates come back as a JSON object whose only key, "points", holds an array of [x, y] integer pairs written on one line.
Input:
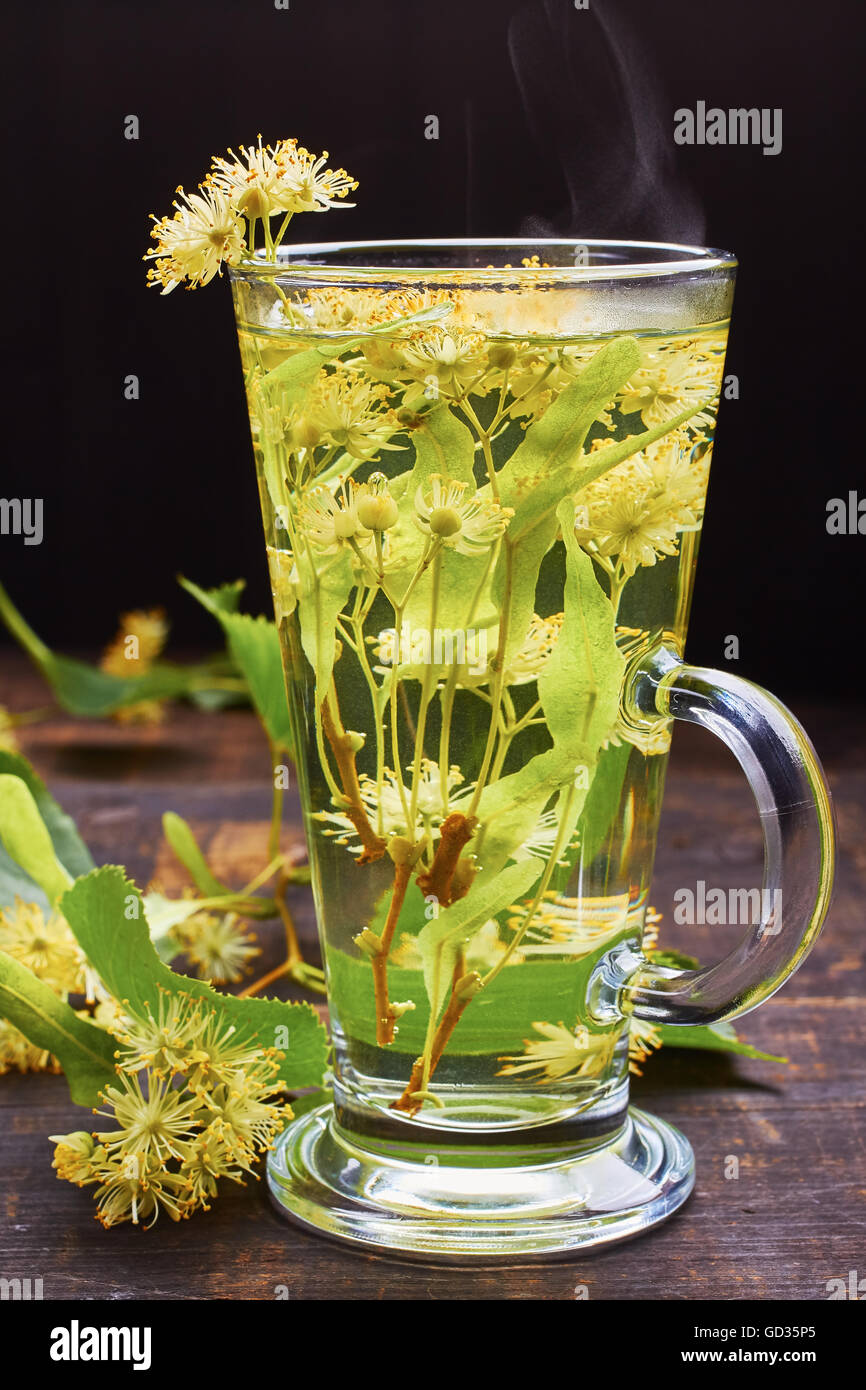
{"points": [[375, 506], [19, 1054], [344, 410], [45, 945], [643, 1038], [252, 180], [242, 1117], [570, 926], [192, 245], [131, 1189], [468, 524], [208, 1159], [160, 1042], [140, 639], [306, 185], [74, 1155], [635, 530], [541, 839], [671, 383], [563, 1053], [541, 637], [330, 520], [182, 1037], [482, 952], [217, 946], [152, 1124], [285, 582], [650, 929], [444, 358], [384, 806]]}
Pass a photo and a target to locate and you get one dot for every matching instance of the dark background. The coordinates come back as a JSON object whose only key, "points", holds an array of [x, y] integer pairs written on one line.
{"points": [[551, 120]]}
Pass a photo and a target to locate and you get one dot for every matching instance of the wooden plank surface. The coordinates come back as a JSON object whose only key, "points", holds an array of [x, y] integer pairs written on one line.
{"points": [[791, 1221]]}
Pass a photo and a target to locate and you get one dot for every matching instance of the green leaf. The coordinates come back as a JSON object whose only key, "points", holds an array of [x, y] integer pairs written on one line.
{"points": [[106, 914], [603, 801], [529, 481], [672, 960], [26, 839], [441, 939], [322, 597], [86, 690], [179, 835], [85, 1051], [594, 465], [543, 471], [69, 847], [297, 372], [254, 645], [579, 690], [715, 1037], [498, 1019]]}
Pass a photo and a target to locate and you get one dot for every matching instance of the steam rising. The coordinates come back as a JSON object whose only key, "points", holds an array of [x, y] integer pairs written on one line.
{"points": [[593, 103]]}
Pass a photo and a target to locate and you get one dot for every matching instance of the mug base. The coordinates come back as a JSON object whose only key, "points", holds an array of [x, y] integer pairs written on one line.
{"points": [[453, 1213]]}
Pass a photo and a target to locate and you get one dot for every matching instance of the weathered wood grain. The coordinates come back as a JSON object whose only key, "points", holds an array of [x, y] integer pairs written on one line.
{"points": [[791, 1220]]}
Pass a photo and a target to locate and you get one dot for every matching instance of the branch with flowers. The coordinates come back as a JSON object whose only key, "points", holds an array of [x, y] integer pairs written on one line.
{"points": [[417, 472]]}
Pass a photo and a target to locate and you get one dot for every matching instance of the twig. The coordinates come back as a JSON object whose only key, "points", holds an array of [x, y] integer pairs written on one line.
{"points": [[353, 808]]}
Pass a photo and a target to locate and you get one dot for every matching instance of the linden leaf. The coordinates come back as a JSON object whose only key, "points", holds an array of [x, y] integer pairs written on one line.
{"points": [[26, 839], [579, 690], [323, 595], [441, 939], [69, 847], [713, 1037], [254, 645], [85, 1051], [179, 835], [106, 914], [86, 690]]}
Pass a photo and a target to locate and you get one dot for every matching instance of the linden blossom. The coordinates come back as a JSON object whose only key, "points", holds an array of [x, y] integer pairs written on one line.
{"points": [[737, 126]]}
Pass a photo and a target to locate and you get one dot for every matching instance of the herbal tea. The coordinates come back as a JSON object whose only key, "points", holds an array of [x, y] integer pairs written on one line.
{"points": [[475, 523]]}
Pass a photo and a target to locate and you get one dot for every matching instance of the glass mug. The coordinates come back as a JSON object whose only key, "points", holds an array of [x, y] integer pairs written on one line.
{"points": [[483, 468]]}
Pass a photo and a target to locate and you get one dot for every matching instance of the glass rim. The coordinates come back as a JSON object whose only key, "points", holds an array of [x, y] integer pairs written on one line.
{"points": [[315, 261]]}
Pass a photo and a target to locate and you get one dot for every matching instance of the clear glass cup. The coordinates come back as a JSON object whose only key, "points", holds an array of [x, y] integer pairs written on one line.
{"points": [[483, 470]]}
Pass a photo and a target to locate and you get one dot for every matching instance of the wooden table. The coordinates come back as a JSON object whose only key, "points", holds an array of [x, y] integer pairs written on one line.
{"points": [[791, 1221]]}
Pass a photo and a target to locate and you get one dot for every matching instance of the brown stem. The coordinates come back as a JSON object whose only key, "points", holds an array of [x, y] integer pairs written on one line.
{"points": [[438, 881], [265, 980], [293, 950], [344, 754], [411, 1101], [386, 1022]]}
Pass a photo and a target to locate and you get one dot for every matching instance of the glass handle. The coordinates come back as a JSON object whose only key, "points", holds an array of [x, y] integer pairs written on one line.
{"points": [[797, 822]]}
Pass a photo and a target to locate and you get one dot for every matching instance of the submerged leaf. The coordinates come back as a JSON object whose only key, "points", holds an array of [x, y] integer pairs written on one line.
{"points": [[579, 690], [442, 938], [323, 595]]}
